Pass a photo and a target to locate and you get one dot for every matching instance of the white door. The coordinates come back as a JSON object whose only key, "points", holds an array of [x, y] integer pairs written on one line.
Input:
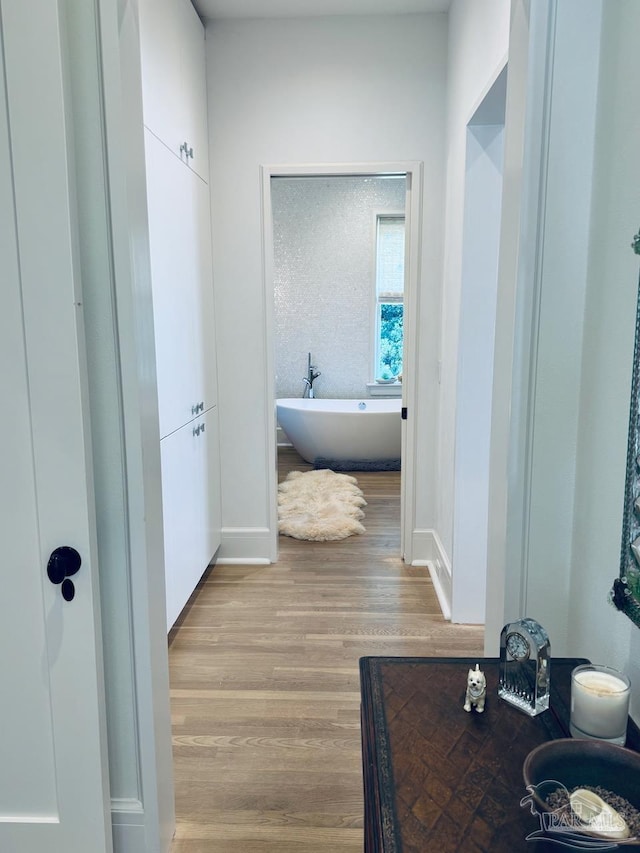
{"points": [[53, 779]]}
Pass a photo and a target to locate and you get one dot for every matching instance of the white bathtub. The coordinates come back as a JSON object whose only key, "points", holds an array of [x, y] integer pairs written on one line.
{"points": [[342, 429]]}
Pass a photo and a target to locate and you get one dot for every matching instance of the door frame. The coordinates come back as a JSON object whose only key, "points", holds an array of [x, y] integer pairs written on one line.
{"points": [[413, 224], [484, 178], [132, 570]]}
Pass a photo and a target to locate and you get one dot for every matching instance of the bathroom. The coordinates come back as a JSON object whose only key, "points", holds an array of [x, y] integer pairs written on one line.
{"points": [[338, 251], [325, 241]]}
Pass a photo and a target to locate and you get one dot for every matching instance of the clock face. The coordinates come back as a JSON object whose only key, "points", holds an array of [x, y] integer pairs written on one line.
{"points": [[517, 646]]}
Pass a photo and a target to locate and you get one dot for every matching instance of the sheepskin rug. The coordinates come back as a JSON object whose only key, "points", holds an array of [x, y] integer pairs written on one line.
{"points": [[321, 506]]}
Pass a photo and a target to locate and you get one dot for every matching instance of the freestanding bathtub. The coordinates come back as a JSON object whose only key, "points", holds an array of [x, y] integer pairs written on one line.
{"points": [[342, 429]]}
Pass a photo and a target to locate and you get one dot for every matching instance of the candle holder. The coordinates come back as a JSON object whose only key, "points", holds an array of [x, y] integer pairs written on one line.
{"points": [[599, 703]]}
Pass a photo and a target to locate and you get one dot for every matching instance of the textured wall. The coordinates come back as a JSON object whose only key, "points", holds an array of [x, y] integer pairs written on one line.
{"points": [[324, 253]]}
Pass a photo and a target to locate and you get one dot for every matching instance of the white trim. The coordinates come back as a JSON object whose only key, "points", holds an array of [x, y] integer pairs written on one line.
{"points": [[481, 222], [127, 811], [341, 170], [430, 552], [282, 438], [383, 389], [412, 170], [247, 544], [413, 251], [243, 561], [427, 546], [128, 838], [128, 826], [422, 544], [149, 824], [526, 141], [442, 594], [271, 416]]}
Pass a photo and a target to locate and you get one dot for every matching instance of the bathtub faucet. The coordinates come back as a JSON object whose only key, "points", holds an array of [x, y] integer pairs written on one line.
{"points": [[309, 379]]}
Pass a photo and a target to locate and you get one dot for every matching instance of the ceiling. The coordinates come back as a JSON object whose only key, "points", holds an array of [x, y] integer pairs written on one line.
{"points": [[313, 8]]}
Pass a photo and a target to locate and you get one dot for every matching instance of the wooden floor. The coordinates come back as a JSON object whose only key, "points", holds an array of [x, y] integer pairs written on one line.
{"points": [[264, 683]]}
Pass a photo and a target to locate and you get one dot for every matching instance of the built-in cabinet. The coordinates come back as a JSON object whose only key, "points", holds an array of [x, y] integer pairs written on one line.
{"points": [[179, 224], [175, 117], [174, 86], [191, 506]]}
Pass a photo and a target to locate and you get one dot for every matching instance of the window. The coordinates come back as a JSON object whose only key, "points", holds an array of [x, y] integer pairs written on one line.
{"points": [[389, 295]]}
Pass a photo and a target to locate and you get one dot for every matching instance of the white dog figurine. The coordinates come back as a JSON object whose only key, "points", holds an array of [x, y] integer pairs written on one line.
{"points": [[476, 690]]}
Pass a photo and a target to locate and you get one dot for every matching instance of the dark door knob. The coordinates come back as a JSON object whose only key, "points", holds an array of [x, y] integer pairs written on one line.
{"points": [[63, 563]]}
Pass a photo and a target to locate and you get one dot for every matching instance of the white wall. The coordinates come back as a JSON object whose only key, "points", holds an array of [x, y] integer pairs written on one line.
{"points": [[477, 51], [559, 317], [541, 302], [582, 279], [596, 630], [337, 90]]}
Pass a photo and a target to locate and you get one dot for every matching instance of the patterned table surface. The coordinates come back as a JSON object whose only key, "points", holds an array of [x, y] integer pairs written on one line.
{"points": [[438, 778]]}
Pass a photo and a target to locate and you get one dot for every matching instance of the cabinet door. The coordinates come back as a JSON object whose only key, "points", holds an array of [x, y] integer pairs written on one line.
{"points": [[194, 92], [204, 367], [182, 285], [174, 79], [161, 66], [172, 211], [191, 507], [210, 485], [178, 456], [206, 488]]}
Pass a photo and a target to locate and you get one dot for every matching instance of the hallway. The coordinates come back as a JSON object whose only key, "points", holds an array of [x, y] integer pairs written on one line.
{"points": [[264, 683]]}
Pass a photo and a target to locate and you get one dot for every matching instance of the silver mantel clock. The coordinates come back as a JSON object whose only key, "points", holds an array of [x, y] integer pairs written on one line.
{"points": [[524, 666]]}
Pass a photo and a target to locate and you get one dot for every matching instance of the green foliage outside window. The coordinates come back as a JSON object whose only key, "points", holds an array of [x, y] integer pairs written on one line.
{"points": [[391, 332]]}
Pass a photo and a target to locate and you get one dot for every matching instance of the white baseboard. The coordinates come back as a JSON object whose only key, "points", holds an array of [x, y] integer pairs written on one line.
{"points": [[128, 826], [429, 551], [282, 439], [444, 597], [128, 838], [422, 546], [250, 545], [243, 561], [253, 546]]}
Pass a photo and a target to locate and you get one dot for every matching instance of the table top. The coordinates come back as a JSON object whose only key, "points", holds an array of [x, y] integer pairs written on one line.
{"points": [[439, 778]]}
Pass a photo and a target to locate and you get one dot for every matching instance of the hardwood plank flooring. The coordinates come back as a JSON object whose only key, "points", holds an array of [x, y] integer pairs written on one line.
{"points": [[264, 683]]}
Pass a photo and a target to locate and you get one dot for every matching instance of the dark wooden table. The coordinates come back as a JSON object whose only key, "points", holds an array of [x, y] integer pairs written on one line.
{"points": [[437, 778]]}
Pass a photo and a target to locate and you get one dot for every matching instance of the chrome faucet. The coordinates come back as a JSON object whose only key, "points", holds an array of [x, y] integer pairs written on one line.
{"points": [[309, 379]]}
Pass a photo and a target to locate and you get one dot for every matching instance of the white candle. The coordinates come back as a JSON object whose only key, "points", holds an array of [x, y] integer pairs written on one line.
{"points": [[599, 702]]}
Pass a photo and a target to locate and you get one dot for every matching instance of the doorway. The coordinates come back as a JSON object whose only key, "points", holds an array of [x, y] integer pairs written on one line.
{"points": [[482, 221], [303, 320]]}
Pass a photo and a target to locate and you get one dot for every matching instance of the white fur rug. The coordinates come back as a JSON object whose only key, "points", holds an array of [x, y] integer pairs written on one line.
{"points": [[321, 506]]}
